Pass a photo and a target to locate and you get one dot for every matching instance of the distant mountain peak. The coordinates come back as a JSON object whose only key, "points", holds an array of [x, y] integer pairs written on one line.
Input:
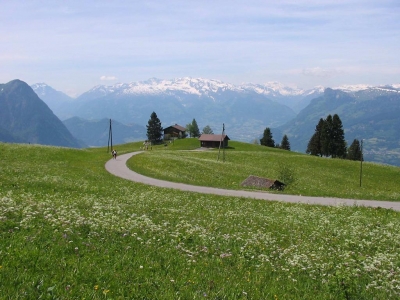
{"points": [[276, 89], [352, 88], [363, 87], [188, 85], [39, 85], [207, 87]]}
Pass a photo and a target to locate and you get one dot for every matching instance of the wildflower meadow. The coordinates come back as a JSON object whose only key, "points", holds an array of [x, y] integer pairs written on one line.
{"points": [[70, 230]]}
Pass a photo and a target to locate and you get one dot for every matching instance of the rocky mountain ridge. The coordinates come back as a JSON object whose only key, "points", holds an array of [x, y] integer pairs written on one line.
{"points": [[25, 118]]}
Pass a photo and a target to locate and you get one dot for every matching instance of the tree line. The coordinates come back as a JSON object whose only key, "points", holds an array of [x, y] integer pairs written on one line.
{"points": [[328, 140], [268, 141]]}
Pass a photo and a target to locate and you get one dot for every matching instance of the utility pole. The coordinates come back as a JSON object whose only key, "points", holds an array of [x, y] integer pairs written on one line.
{"points": [[109, 138], [362, 158], [222, 142]]}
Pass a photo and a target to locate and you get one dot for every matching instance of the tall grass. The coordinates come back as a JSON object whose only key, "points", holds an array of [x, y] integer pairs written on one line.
{"points": [[304, 174], [70, 230]]}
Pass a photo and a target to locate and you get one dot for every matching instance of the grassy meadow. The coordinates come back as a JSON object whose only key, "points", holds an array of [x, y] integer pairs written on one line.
{"points": [[70, 230], [305, 174]]}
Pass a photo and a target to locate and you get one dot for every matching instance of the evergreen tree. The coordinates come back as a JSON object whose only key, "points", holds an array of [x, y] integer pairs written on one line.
{"points": [[154, 129], [327, 138], [285, 145], [339, 144], [354, 152], [194, 129], [314, 146], [207, 130], [267, 139]]}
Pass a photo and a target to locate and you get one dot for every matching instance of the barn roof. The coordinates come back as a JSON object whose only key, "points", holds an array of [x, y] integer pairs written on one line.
{"points": [[213, 137], [176, 126]]}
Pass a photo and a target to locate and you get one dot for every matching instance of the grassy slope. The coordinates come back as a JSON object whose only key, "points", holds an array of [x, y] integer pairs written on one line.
{"points": [[70, 230], [314, 176]]}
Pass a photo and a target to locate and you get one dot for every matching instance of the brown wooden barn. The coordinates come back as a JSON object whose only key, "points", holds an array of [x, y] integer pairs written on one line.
{"points": [[174, 131], [213, 140]]}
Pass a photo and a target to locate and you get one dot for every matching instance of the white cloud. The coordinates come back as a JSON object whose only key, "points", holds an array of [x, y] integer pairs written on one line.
{"points": [[108, 78]]}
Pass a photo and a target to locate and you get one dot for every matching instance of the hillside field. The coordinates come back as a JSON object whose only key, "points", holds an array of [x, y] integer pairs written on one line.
{"points": [[304, 174], [70, 230]]}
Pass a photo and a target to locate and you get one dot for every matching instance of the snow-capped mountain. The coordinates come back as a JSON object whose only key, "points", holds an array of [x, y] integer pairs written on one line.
{"points": [[45, 91], [211, 102], [293, 97], [54, 99], [362, 87], [41, 89], [276, 89], [200, 87], [154, 86]]}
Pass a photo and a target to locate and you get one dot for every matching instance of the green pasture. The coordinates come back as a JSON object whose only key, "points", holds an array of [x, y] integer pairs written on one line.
{"points": [[304, 174], [70, 230]]}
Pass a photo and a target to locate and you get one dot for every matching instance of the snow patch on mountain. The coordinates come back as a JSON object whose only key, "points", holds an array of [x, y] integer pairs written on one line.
{"points": [[210, 88], [201, 87], [363, 87], [154, 86], [352, 88], [40, 88], [274, 89]]}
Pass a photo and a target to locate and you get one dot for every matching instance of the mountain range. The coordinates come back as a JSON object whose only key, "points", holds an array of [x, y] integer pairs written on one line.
{"points": [[247, 109], [369, 113]]}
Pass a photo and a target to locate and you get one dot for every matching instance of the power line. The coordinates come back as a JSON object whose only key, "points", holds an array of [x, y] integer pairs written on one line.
{"points": [[222, 142]]}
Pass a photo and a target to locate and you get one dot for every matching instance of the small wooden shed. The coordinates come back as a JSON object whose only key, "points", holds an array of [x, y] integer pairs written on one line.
{"points": [[213, 140], [174, 131], [260, 182]]}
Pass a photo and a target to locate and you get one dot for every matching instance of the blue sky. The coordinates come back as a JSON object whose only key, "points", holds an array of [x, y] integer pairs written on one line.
{"points": [[75, 45]]}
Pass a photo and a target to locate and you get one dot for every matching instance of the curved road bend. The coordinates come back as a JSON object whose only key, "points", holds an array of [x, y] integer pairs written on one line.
{"points": [[119, 168]]}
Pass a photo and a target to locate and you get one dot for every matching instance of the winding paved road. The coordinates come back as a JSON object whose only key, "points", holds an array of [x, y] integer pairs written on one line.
{"points": [[118, 168]]}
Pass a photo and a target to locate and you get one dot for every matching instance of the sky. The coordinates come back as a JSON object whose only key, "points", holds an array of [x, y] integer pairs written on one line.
{"points": [[76, 45]]}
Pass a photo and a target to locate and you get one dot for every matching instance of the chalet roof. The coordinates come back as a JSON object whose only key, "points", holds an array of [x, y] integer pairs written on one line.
{"points": [[176, 126], [213, 137]]}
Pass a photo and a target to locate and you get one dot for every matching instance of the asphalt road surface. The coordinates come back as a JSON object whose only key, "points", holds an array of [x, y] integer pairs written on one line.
{"points": [[118, 168]]}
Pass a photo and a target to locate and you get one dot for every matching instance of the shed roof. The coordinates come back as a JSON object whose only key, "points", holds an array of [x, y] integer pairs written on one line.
{"points": [[213, 137]]}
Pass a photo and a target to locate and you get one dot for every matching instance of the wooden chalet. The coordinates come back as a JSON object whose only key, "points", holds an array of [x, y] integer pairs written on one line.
{"points": [[174, 131], [213, 140]]}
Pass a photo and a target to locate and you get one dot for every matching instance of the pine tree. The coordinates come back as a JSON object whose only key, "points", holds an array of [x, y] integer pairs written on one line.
{"points": [[285, 145], [267, 139], [207, 130], [154, 129], [339, 143], [327, 137], [194, 129], [354, 152], [314, 146]]}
